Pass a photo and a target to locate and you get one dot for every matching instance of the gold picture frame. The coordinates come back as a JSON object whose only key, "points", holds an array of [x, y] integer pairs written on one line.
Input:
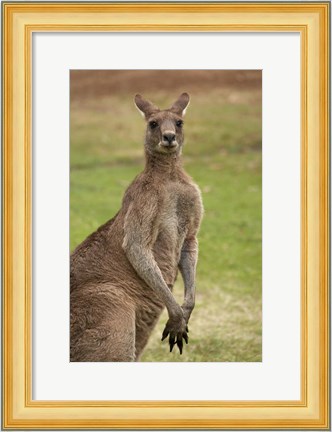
{"points": [[20, 21]]}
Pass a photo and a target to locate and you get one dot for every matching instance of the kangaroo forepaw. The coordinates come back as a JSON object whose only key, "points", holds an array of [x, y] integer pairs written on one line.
{"points": [[177, 332]]}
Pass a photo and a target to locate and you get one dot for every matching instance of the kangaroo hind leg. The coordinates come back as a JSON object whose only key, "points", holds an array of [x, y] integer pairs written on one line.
{"points": [[110, 338]]}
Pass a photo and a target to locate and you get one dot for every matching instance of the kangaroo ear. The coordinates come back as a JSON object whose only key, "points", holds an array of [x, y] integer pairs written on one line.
{"points": [[181, 105], [145, 107]]}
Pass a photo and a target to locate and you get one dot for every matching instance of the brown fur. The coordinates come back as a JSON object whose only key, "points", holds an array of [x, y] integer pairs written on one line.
{"points": [[122, 275]]}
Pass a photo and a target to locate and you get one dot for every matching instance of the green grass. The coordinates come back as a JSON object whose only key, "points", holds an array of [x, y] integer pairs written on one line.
{"points": [[223, 155]]}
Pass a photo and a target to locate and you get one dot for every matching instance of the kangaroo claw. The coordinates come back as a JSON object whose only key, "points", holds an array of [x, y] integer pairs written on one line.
{"points": [[165, 334], [177, 332], [171, 342], [180, 344]]}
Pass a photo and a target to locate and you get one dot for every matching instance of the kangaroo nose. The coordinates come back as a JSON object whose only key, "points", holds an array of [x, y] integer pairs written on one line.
{"points": [[169, 136]]}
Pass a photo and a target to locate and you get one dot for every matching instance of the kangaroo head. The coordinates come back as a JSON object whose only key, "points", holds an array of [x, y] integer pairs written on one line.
{"points": [[164, 131]]}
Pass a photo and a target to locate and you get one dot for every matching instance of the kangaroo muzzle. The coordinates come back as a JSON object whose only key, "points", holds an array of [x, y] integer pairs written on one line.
{"points": [[169, 139]]}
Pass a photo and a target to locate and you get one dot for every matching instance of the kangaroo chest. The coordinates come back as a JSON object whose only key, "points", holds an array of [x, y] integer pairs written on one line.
{"points": [[178, 216]]}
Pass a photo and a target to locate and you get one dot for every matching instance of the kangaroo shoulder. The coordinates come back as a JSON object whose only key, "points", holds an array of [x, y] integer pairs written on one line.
{"points": [[142, 201], [138, 192]]}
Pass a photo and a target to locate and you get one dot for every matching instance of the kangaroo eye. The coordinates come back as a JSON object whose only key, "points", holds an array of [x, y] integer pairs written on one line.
{"points": [[179, 123], [153, 124]]}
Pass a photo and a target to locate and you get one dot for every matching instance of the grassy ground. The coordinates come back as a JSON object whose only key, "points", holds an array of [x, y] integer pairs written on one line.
{"points": [[223, 155]]}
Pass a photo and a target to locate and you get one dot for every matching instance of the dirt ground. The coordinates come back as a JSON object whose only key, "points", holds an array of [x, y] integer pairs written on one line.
{"points": [[86, 84]]}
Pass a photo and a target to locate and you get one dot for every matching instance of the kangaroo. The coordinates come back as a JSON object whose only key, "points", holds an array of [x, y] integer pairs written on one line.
{"points": [[122, 275]]}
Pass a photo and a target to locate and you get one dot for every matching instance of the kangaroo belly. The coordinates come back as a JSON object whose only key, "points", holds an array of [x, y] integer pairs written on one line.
{"points": [[166, 252]]}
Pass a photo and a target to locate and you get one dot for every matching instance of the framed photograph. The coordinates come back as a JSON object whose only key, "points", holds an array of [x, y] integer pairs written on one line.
{"points": [[166, 215]]}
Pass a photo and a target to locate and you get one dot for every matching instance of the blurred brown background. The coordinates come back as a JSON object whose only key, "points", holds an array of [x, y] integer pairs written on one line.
{"points": [[95, 83]]}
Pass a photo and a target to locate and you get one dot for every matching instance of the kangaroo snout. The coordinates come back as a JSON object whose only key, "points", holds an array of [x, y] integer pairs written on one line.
{"points": [[168, 139]]}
